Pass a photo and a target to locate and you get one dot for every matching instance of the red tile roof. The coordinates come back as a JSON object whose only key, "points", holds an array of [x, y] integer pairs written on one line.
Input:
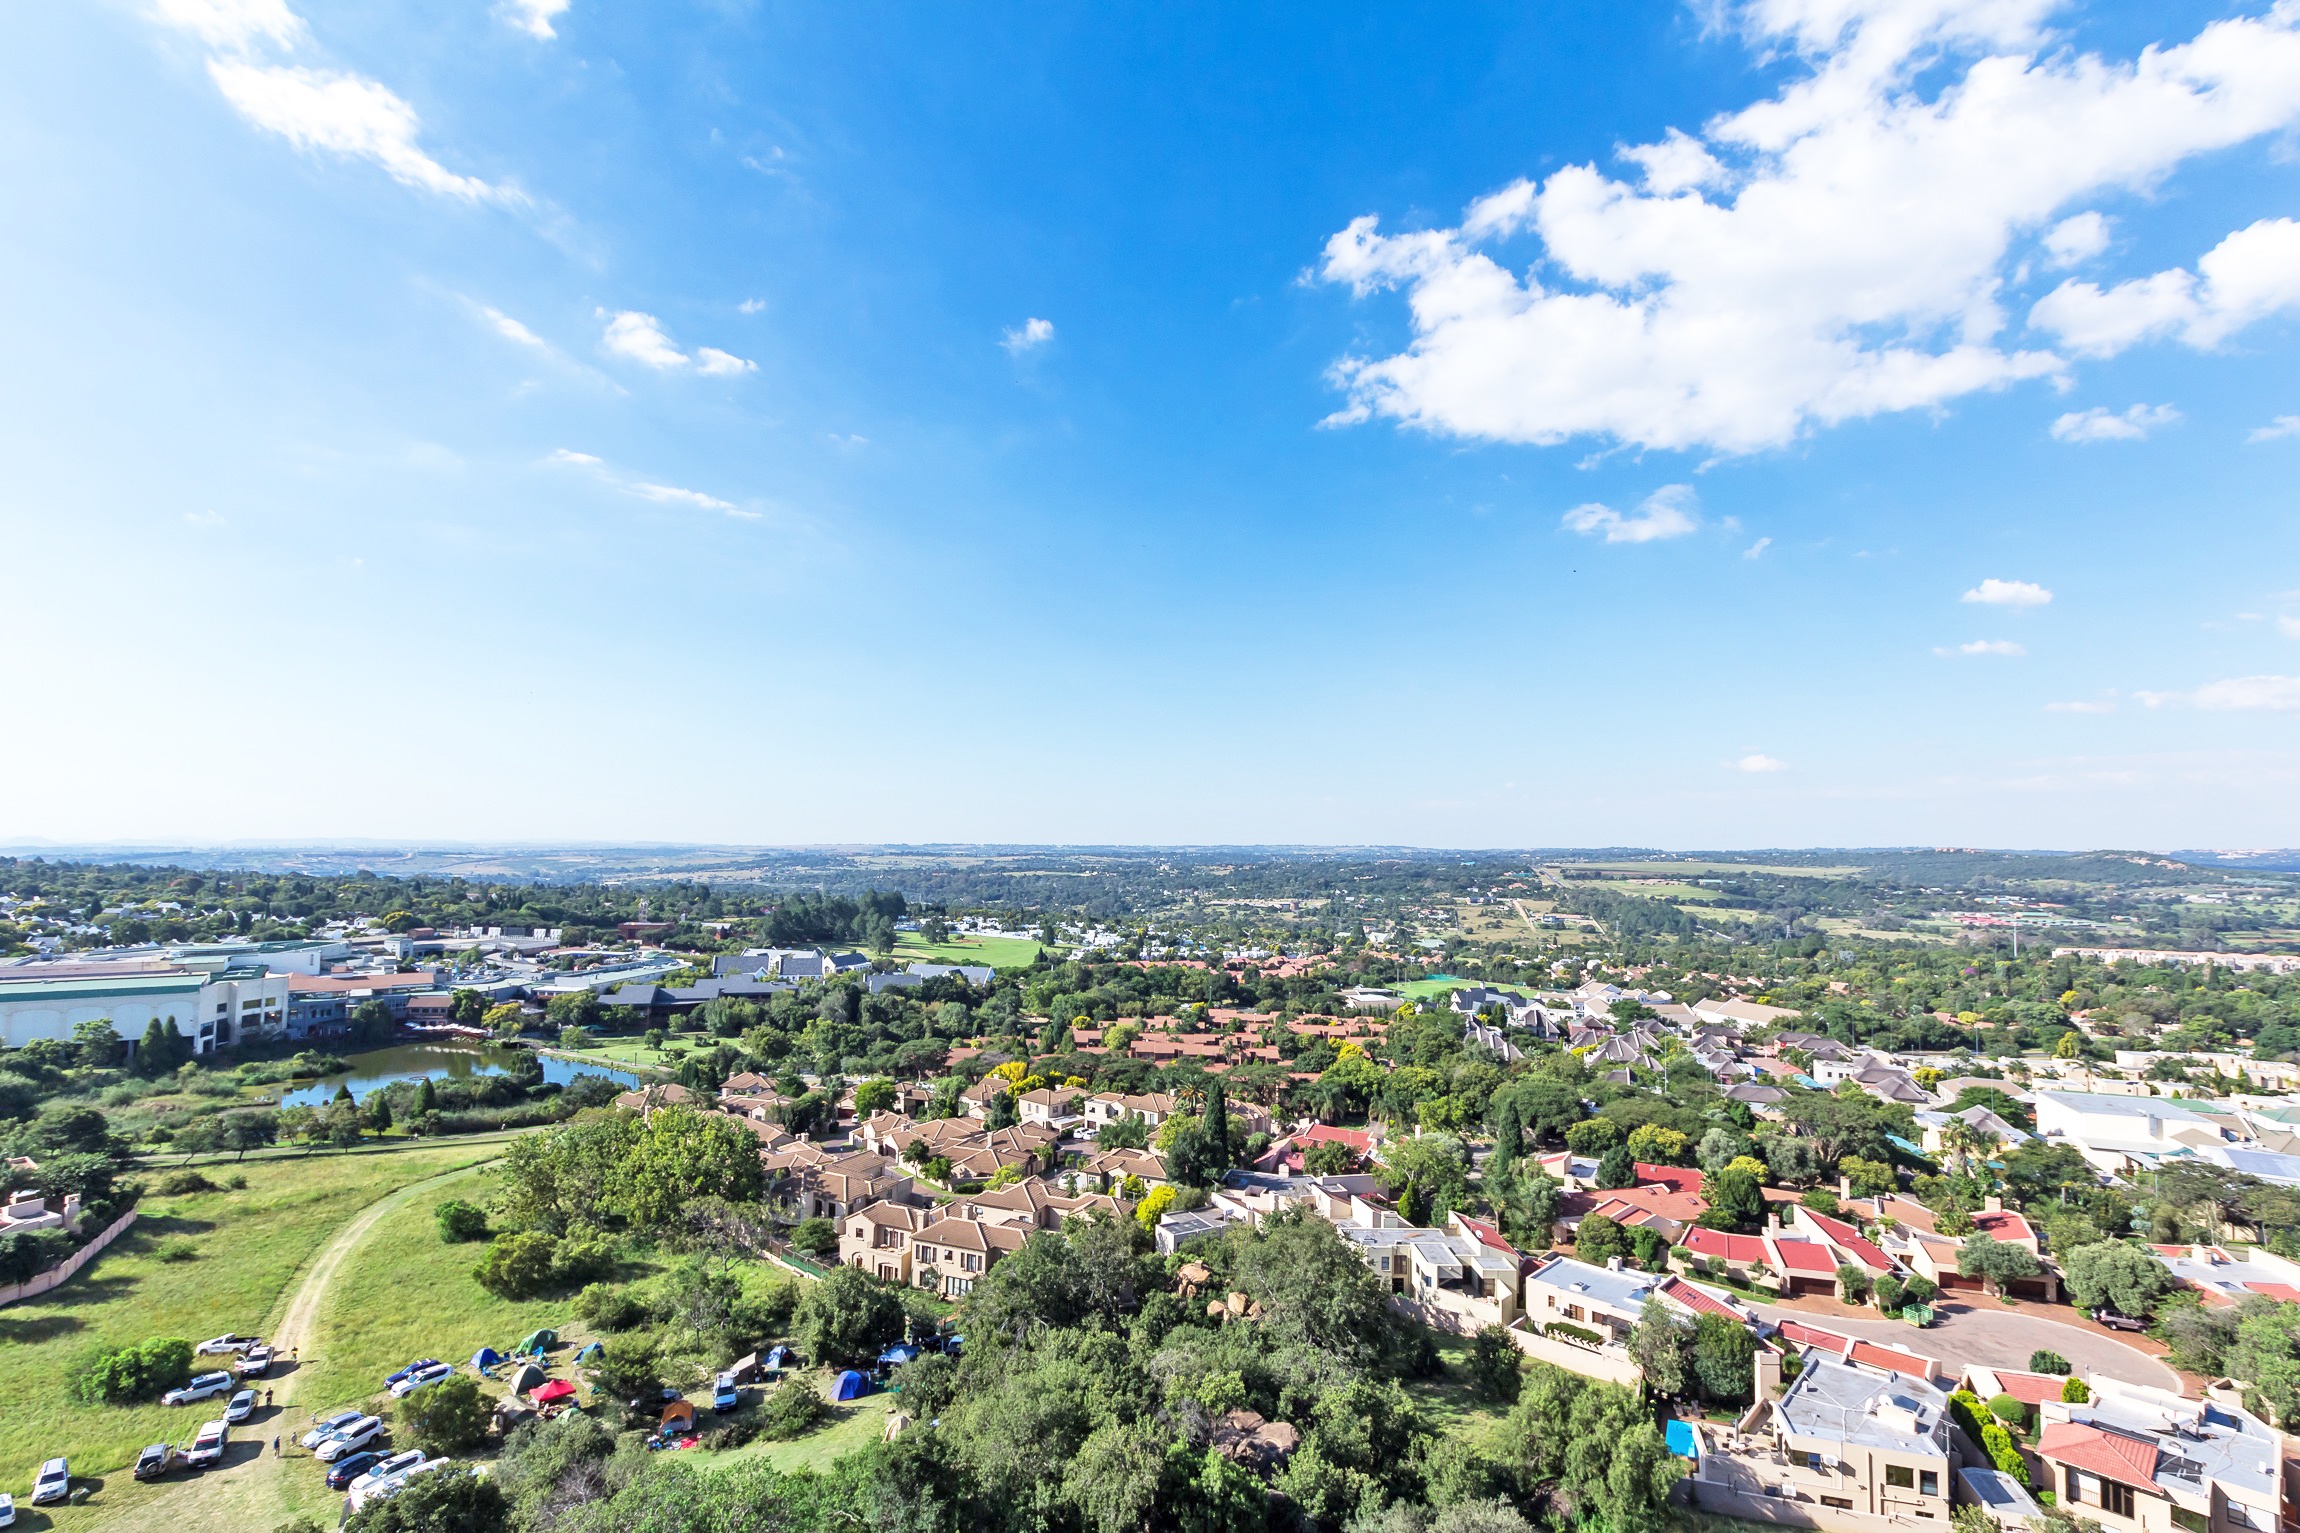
{"points": [[2282, 1292], [1844, 1235], [2004, 1225], [2029, 1388], [2129, 1460], [1806, 1255], [1734, 1248], [1683, 1179], [1891, 1358], [1697, 1300]]}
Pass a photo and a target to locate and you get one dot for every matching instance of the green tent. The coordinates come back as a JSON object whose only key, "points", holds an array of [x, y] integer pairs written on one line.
{"points": [[538, 1342]]}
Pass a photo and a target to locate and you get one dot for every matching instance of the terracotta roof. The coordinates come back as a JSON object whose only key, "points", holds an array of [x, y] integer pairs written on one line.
{"points": [[1734, 1248], [2029, 1388], [2129, 1460], [1842, 1234], [1695, 1299], [1357, 1139], [1684, 1179], [2004, 1225], [1805, 1255], [2282, 1292]]}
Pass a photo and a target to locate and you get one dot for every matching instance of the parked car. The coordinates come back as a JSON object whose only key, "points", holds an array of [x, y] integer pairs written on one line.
{"points": [[53, 1484], [7, 1510], [155, 1461], [422, 1376], [240, 1406], [230, 1341], [255, 1363], [416, 1367], [206, 1387], [345, 1470], [207, 1448], [377, 1490], [327, 1426], [2117, 1322], [349, 1439], [726, 1394], [387, 1468]]}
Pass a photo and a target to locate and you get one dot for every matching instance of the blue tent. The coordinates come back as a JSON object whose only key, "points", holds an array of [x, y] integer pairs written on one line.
{"points": [[779, 1358], [897, 1355], [591, 1350], [486, 1357], [851, 1386]]}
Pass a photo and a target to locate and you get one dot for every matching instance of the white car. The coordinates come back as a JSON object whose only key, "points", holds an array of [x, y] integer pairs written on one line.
{"points": [[206, 1387], [255, 1364], [240, 1406], [7, 1510], [421, 1377], [327, 1426], [391, 1486], [54, 1483], [208, 1447], [230, 1341], [726, 1394], [349, 1439], [385, 1470]]}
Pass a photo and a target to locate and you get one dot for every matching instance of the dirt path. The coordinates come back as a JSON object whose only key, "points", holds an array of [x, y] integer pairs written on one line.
{"points": [[259, 1491]]}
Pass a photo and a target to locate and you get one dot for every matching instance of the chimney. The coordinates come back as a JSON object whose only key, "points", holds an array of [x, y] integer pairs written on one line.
{"points": [[1844, 1187], [1768, 1372], [1772, 1224], [1613, 1264], [1992, 1205]]}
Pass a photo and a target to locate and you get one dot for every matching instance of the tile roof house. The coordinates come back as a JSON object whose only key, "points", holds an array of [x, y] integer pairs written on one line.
{"points": [[877, 1238], [951, 1255], [2141, 1460]]}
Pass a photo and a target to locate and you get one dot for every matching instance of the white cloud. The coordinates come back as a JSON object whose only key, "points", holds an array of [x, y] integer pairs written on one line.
{"points": [[750, 306], [2248, 276], [1756, 548], [639, 338], [2074, 241], [711, 362], [659, 494], [1028, 336], [2280, 694], [1984, 647], [511, 330], [1755, 762], [1666, 513], [2101, 424], [533, 17], [234, 24], [2282, 425], [1993, 592], [1846, 258], [2080, 707], [347, 115], [208, 518]]}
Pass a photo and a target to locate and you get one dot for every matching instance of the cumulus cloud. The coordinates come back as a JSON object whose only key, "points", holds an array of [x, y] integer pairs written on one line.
{"points": [[637, 337], [1833, 252], [1028, 336], [2282, 425], [1993, 592], [1666, 513], [1758, 762], [659, 494], [2279, 694], [533, 17], [2101, 424], [2248, 276], [2074, 241], [345, 114], [1984, 647]]}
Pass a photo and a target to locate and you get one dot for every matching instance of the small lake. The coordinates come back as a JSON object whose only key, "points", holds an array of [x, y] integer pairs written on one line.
{"points": [[438, 1061]]}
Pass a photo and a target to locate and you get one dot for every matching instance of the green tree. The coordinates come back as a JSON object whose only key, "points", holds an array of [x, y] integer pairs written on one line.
{"points": [[1598, 1239], [129, 1375], [1737, 1198], [1617, 1168], [849, 1318], [816, 1236], [1494, 1364], [874, 1096], [518, 1264], [1724, 1359], [1312, 1287], [446, 1418], [1662, 1344], [460, 1221], [450, 1500], [1997, 1263], [679, 1154]]}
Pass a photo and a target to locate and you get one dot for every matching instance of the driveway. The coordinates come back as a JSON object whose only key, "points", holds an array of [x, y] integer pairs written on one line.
{"points": [[1991, 1336]]}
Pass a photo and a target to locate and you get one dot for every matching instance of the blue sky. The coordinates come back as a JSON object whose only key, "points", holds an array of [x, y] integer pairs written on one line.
{"points": [[1485, 426]]}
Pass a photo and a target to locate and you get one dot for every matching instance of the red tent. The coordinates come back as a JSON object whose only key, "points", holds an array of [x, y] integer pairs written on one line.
{"points": [[557, 1389]]}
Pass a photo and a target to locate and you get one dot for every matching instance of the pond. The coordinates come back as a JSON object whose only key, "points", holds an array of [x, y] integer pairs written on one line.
{"points": [[413, 1061]]}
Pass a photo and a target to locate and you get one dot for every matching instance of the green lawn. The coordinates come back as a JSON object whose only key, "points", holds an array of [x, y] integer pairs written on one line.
{"points": [[856, 1424], [1419, 990], [998, 952], [252, 1243], [1454, 1408]]}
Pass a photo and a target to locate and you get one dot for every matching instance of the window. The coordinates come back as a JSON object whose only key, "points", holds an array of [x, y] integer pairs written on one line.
{"points": [[1928, 1484], [1839, 1502], [1900, 1477], [2116, 1498], [2194, 1522]]}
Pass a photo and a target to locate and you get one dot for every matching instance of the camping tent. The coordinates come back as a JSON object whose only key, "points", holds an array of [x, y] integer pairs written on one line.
{"points": [[897, 1355], [525, 1379], [557, 1389], [851, 1386], [590, 1351], [486, 1357], [778, 1359], [538, 1342], [679, 1413]]}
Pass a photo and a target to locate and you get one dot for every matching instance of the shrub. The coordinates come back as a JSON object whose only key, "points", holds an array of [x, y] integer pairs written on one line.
{"points": [[177, 1184], [129, 1375], [1821, 1200], [454, 1500], [793, 1409], [177, 1250], [460, 1221], [1998, 1444], [2076, 1391], [581, 1259], [2007, 1409], [237, 1181], [605, 1307], [816, 1236], [2045, 1360], [448, 1417], [1890, 1291], [1493, 1365], [1853, 1283], [730, 1434], [517, 1264], [1567, 1331]]}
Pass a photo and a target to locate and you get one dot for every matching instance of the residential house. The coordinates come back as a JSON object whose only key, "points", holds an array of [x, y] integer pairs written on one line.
{"points": [[1666, 1198], [2141, 1460], [1051, 1106], [2123, 1135], [951, 1254], [877, 1238], [2220, 1277], [1843, 1438], [1741, 1016]]}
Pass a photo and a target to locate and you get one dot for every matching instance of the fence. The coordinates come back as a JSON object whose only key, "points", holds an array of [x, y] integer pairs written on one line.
{"points": [[62, 1272]]}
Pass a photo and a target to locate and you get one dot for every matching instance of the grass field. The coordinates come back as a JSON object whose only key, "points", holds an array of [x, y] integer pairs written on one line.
{"points": [[1454, 1408], [998, 952], [856, 1424], [252, 1242]]}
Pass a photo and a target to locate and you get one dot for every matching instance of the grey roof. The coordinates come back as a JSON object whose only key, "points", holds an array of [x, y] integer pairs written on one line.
{"points": [[1837, 1402], [1999, 1494], [1624, 1290], [975, 974], [879, 982], [2110, 1105], [2264, 1164]]}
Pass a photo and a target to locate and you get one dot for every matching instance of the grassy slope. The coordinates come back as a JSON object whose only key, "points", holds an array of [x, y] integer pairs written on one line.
{"points": [[998, 952], [253, 1243]]}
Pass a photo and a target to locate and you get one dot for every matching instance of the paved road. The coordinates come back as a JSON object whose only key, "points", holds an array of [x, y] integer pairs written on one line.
{"points": [[1992, 1337]]}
